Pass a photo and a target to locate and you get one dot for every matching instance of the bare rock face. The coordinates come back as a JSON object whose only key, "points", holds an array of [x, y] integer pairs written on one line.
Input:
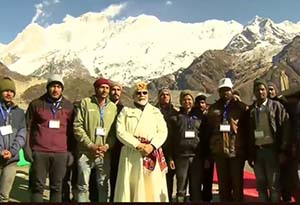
{"points": [[285, 69], [73, 68], [288, 61], [204, 73], [4, 71]]}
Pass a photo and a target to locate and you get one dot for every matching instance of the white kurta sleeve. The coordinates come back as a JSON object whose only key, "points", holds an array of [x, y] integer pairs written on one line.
{"points": [[123, 135], [161, 130]]}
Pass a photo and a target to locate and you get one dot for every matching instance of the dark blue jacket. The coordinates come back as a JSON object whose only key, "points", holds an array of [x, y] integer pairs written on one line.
{"points": [[183, 146], [15, 141]]}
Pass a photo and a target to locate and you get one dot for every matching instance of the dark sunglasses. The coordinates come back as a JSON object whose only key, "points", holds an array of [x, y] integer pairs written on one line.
{"points": [[143, 92]]}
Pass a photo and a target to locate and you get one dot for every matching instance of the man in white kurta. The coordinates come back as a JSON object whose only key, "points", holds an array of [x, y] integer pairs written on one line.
{"points": [[135, 183]]}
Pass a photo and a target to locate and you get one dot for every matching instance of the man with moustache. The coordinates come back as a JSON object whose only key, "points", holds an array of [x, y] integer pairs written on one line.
{"points": [[168, 110], [12, 136], [226, 127], [274, 94], [200, 110], [142, 166], [115, 97], [287, 169], [268, 141], [94, 130], [49, 126]]}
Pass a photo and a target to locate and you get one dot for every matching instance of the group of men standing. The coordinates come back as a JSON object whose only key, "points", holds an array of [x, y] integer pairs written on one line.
{"points": [[53, 134], [229, 133], [132, 154]]}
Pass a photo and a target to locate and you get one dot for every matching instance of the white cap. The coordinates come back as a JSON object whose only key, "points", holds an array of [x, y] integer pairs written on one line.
{"points": [[55, 78], [225, 83]]}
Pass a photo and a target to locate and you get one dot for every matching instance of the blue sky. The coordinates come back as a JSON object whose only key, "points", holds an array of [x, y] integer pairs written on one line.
{"points": [[15, 15]]}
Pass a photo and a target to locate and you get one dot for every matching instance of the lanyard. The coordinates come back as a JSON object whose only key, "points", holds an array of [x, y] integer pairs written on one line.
{"points": [[54, 107], [102, 115], [190, 120], [226, 118], [4, 116], [225, 113]]}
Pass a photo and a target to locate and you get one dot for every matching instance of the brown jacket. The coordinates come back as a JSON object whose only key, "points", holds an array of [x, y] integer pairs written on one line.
{"points": [[227, 144]]}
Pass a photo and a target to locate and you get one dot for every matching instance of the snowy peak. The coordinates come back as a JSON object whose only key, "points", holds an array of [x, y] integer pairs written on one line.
{"points": [[257, 20], [30, 40], [2, 46], [290, 27], [98, 17], [135, 48], [264, 29], [261, 32]]}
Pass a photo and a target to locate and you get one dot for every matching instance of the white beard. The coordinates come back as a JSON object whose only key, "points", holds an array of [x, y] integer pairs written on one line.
{"points": [[142, 102]]}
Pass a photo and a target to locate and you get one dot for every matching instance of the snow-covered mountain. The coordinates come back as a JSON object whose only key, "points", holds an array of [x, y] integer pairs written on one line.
{"points": [[141, 47], [136, 48], [2, 46], [263, 33]]}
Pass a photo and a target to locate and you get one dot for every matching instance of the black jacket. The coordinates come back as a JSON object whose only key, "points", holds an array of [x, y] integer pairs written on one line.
{"points": [[168, 112], [183, 146]]}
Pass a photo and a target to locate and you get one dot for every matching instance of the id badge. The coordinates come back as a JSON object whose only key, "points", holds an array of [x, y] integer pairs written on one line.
{"points": [[224, 128], [189, 134], [6, 130], [259, 134], [100, 131], [54, 124]]}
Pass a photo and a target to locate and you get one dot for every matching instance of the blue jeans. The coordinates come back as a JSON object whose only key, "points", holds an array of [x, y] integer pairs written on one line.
{"points": [[102, 167], [266, 168]]}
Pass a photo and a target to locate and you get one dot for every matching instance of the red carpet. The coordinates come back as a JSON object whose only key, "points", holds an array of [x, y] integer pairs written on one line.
{"points": [[250, 192], [249, 185]]}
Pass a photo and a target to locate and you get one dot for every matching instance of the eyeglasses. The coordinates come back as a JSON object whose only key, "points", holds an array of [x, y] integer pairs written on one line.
{"points": [[142, 92]]}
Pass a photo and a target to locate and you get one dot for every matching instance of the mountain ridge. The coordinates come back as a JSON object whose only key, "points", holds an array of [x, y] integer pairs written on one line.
{"points": [[174, 54], [141, 45]]}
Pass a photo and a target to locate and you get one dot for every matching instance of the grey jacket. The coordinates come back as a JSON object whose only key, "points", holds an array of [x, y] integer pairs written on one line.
{"points": [[278, 121], [15, 141]]}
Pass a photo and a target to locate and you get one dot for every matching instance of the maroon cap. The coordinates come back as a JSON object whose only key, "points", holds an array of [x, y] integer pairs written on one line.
{"points": [[101, 81]]}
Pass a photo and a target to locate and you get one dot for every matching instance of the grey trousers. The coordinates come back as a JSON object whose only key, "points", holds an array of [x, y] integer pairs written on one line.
{"points": [[266, 168], [7, 177], [102, 168], [189, 170]]}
